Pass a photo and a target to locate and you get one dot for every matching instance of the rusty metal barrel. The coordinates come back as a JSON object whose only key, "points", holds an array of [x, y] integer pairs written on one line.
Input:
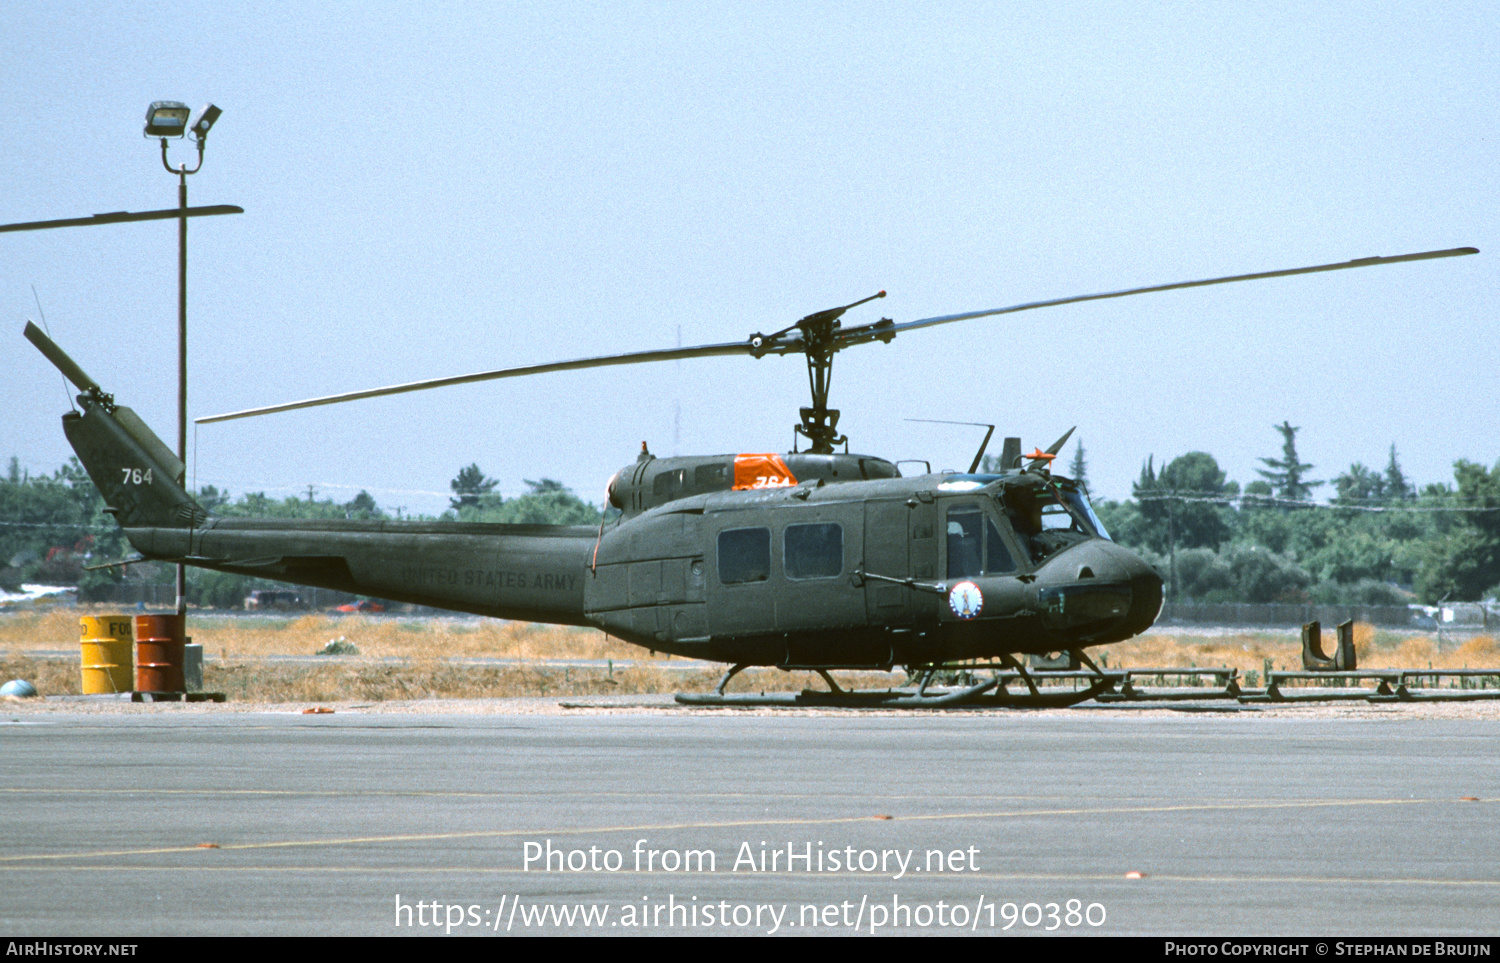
{"points": [[159, 642], [105, 643]]}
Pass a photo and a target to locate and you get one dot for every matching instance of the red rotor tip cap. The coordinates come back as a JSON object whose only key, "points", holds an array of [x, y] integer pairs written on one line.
{"points": [[1040, 455]]}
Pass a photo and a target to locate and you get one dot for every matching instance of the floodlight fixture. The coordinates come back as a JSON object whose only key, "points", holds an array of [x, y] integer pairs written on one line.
{"points": [[167, 118], [204, 119]]}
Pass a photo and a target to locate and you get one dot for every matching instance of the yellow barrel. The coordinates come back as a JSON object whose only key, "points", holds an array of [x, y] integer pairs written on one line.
{"points": [[159, 642], [106, 655]]}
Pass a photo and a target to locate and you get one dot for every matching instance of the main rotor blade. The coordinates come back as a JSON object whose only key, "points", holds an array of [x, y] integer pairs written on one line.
{"points": [[120, 217], [635, 357], [758, 345], [1342, 265]]}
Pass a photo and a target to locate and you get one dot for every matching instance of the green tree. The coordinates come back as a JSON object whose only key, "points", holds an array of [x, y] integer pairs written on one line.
{"points": [[1186, 505], [1204, 576], [1288, 474], [1464, 560], [1203, 514], [1125, 523], [212, 499], [1359, 486], [548, 502], [219, 590], [1264, 576], [1257, 493], [469, 487], [1357, 553], [52, 526], [1397, 488], [1151, 531], [1078, 468], [260, 505], [362, 506]]}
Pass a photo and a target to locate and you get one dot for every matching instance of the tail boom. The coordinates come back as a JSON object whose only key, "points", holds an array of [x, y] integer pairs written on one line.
{"points": [[533, 573], [525, 572]]}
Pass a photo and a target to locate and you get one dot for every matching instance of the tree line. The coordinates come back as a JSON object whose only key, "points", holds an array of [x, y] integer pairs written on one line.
{"points": [[1378, 540]]}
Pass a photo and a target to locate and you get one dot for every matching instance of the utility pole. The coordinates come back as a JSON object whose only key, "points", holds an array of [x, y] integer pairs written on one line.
{"points": [[166, 119]]}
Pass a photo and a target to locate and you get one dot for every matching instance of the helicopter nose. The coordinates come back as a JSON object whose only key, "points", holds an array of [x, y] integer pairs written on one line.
{"points": [[1145, 593], [1098, 589]]}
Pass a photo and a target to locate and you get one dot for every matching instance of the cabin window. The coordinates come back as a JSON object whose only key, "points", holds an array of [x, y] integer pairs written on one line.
{"points": [[711, 477], [744, 555], [668, 484], [975, 546], [814, 551]]}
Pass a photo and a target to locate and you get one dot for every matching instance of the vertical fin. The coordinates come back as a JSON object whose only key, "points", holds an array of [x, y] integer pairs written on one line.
{"points": [[139, 477], [138, 489]]}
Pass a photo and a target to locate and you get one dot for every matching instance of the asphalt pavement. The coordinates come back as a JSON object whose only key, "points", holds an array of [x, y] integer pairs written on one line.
{"points": [[520, 817]]}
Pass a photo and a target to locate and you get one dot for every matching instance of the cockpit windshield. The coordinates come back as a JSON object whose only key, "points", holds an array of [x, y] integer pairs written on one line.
{"points": [[1078, 502], [1048, 516]]}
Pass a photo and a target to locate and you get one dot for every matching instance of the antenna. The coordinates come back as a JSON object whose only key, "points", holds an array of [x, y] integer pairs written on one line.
{"points": [[43, 315], [978, 455]]}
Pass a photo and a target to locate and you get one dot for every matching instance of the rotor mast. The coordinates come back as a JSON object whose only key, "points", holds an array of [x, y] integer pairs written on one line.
{"points": [[819, 422], [817, 338]]}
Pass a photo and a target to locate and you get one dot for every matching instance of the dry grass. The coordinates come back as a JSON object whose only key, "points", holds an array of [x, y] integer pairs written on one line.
{"points": [[404, 659], [399, 659], [379, 637], [52, 627], [437, 638], [50, 676], [363, 680]]}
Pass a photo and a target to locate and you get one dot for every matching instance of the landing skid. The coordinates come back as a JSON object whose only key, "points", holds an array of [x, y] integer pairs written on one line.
{"points": [[990, 692], [959, 687]]}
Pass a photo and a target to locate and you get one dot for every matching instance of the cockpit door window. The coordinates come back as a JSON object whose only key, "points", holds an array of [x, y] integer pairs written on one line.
{"points": [[975, 546]]}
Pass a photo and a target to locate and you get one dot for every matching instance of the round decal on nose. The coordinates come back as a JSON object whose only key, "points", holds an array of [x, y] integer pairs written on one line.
{"points": [[965, 601]]}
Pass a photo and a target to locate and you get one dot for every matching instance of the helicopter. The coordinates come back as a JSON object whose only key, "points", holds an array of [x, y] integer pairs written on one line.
{"points": [[815, 559]]}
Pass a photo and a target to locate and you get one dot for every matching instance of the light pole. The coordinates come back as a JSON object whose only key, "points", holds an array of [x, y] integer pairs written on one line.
{"points": [[169, 119]]}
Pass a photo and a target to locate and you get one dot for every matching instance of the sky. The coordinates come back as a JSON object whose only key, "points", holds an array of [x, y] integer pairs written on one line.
{"points": [[435, 189]]}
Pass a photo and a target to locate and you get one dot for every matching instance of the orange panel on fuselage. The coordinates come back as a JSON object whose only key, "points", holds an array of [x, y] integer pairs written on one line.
{"points": [[761, 471]]}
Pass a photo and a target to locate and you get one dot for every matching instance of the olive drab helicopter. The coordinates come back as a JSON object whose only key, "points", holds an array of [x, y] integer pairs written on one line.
{"points": [[815, 559]]}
